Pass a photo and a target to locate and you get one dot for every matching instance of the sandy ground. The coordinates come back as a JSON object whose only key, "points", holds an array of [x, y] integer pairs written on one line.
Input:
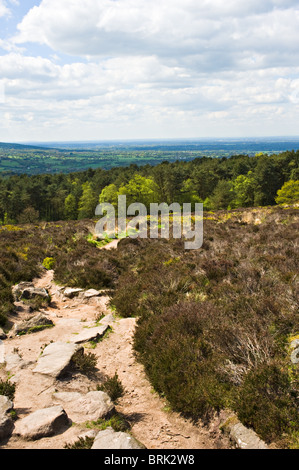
{"points": [[152, 422]]}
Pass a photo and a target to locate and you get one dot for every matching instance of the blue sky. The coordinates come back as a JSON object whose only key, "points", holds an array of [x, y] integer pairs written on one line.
{"points": [[128, 69]]}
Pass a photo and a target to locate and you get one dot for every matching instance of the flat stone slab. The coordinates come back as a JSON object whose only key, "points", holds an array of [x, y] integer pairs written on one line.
{"points": [[71, 292], [56, 358], [109, 439], [13, 361], [42, 423], [108, 319], [81, 408], [88, 294], [90, 334]]}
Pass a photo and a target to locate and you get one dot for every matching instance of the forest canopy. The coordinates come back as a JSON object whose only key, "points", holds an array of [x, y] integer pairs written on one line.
{"points": [[222, 183]]}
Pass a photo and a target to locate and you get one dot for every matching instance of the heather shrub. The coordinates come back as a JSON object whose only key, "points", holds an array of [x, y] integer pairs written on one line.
{"points": [[268, 402], [7, 389], [177, 350], [85, 363], [113, 387]]}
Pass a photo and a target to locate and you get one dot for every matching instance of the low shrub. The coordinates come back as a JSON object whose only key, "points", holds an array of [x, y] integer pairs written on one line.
{"points": [[81, 444], [85, 363], [113, 387], [49, 263], [7, 389], [268, 402]]}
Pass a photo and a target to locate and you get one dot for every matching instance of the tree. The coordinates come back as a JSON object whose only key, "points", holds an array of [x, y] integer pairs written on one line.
{"points": [[109, 194], [267, 181], [243, 187], [289, 193], [140, 189], [70, 207], [29, 216], [188, 193], [87, 202], [223, 195]]}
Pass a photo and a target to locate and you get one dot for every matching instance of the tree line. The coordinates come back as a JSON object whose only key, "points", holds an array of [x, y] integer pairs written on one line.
{"points": [[220, 183]]}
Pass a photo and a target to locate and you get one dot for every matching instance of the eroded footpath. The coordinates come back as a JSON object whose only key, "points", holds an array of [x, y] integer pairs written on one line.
{"points": [[73, 317]]}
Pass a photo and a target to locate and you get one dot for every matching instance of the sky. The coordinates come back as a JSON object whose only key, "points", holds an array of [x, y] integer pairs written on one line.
{"points": [[79, 70]]}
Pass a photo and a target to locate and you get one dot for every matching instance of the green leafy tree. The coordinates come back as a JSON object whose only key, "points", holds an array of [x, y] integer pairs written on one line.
{"points": [[109, 194], [70, 207], [267, 181], [140, 189], [188, 193], [87, 202], [223, 195], [243, 187], [289, 193]]}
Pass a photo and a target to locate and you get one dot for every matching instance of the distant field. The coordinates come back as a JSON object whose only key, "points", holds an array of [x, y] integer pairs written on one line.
{"points": [[71, 157]]}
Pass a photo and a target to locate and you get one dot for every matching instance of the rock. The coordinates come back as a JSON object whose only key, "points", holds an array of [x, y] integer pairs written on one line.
{"points": [[70, 292], [91, 434], [108, 319], [26, 290], [81, 408], [245, 438], [2, 334], [42, 423], [56, 358], [21, 307], [109, 439], [6, 423], [13, 361], [5, 405], [91, 293], [6, 427], [242, 437], [38, 322], [295, 351], [90, 334]]}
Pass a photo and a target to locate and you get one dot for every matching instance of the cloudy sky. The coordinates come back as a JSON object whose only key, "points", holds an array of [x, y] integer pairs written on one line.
{"points": [[136, 69]]}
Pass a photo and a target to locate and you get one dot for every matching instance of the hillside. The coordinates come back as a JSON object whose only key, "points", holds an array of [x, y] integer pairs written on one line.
{"points": [[14, 146], [212, 329]]}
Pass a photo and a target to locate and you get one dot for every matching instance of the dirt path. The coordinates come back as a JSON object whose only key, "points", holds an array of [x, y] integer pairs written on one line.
{"points": [[147, 413]]}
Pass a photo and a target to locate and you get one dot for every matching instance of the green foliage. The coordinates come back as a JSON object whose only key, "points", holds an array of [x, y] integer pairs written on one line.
{"points": [[109, 194], [7, 389], [85, 363], [140, 189], [113, 387], [243, 188], [49, 263], [117, 422], [289, 193], [70, 207], [87, 202], [238, 181], [222, 196], [81, 444]]}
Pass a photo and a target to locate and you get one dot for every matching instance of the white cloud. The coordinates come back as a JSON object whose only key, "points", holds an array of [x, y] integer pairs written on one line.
{"points": [[146, 68], [3, 8]]}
